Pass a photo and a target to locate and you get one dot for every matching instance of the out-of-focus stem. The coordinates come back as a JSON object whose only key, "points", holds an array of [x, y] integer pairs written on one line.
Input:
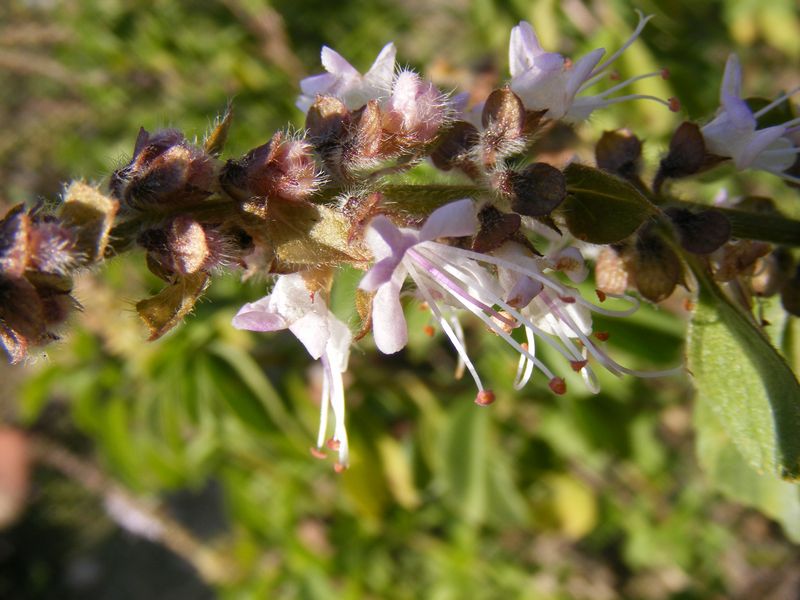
{"points": [[136, 515]]}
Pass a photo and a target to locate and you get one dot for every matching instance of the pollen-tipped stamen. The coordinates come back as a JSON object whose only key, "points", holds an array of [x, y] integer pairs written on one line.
{"points": [[448, 330]]}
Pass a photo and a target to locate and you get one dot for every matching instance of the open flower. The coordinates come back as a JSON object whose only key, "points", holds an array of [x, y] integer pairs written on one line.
{"points": [[734, 131], [302, 310], [505, 290], [549, 81], [343, 81]]}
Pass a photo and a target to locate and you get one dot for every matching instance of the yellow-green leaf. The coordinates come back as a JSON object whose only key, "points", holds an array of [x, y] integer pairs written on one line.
{"points": [[166, 309]]}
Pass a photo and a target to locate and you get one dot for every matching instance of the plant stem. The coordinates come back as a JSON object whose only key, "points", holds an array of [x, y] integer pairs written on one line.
{"points": [[772, 228], [136, 515]]}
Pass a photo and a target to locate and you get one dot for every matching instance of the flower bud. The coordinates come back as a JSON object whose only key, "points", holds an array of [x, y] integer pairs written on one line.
{"points": [[51, 247], [165, 170], [496, 229], [503, 119], [454, 150], [700, 233], [611, 270], [280, 168], [656, 268], [415, 112], [184, 247], [14, 243], [687, 155], [536, 190], [619, 152]]}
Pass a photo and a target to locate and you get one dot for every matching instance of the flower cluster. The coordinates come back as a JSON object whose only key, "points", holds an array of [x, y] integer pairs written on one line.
{"points": [[306, 202]]}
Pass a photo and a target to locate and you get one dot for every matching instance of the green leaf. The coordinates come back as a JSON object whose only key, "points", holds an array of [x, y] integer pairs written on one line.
{"points": [[745, 382], [256, 381], [601, 208], [730, 473], [465, 447]]}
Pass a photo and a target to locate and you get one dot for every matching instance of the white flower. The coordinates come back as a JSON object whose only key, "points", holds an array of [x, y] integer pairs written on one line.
{"points": [[518, 294], [549, 81], [733, 132], [293, 306], [343, 81]]}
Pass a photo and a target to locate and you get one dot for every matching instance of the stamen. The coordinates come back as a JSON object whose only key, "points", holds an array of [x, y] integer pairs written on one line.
{"points": [[323, 409], [781, 151], [337, 404], [510, 340], [673, 103], [627, 82], [601, 295], [589, 377], [461, 276], [485, 398], [558, 385], [447, 283], [525, 367], [636, 33], [460, 253], [602, 335], [462, 352], [460, 366], [778, 101], [317, 453]]}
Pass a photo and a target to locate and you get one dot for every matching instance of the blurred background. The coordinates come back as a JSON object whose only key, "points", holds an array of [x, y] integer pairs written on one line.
{"points": [[180, 469]]}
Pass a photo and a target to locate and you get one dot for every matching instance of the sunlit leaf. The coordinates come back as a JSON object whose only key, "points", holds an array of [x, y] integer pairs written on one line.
{"points": [[727, 469], [745, 382]]}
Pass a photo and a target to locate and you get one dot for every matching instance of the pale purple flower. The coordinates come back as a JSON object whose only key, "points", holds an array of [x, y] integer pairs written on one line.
{"points": [[734, 131], [415, 107], [557, 314], [549, 81], [343, 81], [293, 306], [505, 290]]}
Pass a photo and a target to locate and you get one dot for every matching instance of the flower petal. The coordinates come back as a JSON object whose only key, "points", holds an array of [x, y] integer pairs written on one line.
{"points": [[313, 332], [523, 48], [732, 79], [389, 327], [336, 64], [382, 70], [759, 142], [380, 273], [582, 70], [338, 347], [456, 219], [258, 316], [384, 238]]}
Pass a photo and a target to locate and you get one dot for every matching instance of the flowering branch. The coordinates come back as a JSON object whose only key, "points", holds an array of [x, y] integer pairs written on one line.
{"points": [[506, 246]]}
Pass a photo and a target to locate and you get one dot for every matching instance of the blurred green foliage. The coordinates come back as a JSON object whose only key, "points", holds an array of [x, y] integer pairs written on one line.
{"points": [[536, 497]]}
